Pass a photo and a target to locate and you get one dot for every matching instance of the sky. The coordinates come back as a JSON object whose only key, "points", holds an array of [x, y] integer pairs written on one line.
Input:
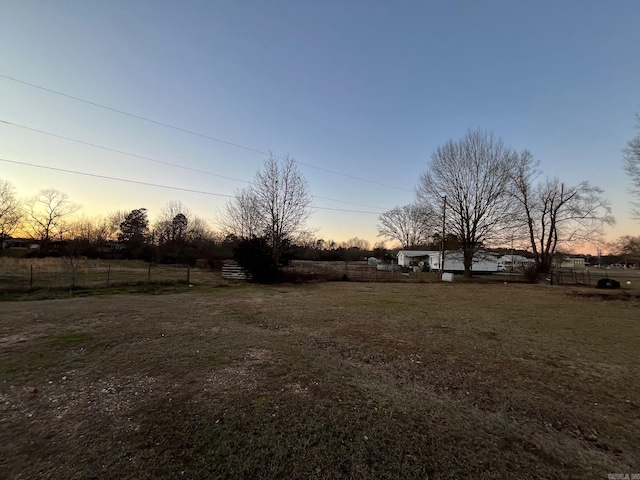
{"points": [[359, 93]]}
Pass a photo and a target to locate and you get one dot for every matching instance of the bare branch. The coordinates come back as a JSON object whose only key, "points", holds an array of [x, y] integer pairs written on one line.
{"points": [[49, 214], [411, 225], [473, 174], [631, 162], [554, 214], [11, 213], [276, 206]]}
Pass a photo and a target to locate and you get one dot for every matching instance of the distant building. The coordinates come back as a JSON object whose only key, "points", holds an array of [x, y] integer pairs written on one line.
{"points": [[407, 258], [514, 262], [570, 262], [372, 261], [19, 244], [483, 262]]}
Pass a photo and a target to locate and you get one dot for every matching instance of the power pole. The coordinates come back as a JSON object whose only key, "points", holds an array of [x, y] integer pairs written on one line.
{"points": [[444, 214]]}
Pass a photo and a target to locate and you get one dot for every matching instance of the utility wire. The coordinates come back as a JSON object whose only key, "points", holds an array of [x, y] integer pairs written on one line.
{"points": [[191, 132], [75, 172], [350, 203], [163, 162], [149, 184], [122, 152]]}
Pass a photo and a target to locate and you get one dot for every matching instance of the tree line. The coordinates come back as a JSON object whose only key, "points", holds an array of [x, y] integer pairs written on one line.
{"points": [[267, 219], [476, 191]]}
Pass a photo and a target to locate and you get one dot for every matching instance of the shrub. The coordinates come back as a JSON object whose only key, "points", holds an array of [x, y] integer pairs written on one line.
{"points": [[254, 255]]}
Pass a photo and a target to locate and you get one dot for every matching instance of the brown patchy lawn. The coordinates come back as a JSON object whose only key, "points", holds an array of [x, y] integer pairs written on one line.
{"points": [[333, 380]]}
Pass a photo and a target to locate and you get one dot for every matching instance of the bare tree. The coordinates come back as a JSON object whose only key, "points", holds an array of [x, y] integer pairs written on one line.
{"points": [[172, 223], [628, 248], [275, 206], [627, 245], [114, 220], [631, 161], [176, 223], [411, 225], [10, 210], [356, 243], [94, 230], [554, 214], [473, 175], [49, 214], [199, 231], [241, 216]]}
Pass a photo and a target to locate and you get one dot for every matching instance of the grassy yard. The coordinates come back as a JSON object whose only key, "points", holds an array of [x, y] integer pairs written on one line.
{"points": [[329, 380], [24, 274]]}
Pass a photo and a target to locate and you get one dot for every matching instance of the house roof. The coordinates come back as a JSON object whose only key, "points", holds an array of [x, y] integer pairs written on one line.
{"points": [[416, 253], [516, 258]]}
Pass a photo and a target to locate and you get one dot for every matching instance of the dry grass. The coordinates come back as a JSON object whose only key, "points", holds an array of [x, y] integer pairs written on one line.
{"points": [[22, 274], [332, 380]]}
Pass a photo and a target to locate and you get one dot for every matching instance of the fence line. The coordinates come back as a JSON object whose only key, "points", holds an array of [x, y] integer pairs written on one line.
{"points": [[23, 275]]}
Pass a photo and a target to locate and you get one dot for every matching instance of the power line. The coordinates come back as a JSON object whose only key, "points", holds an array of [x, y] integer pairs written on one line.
{"points": [[133, 115], [157, 185], [86, 174], [350, 203], [83, 142], [122, 152], [191, 132]]}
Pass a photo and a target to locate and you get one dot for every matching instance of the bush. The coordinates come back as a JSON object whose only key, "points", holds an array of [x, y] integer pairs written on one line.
{"points": [[531, 274], [254, 255]]}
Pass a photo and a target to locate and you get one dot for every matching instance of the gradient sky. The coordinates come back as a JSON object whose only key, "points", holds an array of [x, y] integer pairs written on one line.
{"points": [[367, 89]]}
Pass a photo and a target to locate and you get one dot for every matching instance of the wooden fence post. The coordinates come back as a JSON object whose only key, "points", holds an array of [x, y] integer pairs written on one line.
{"points": [[149, 274], [188, 274], [108, 275], [31, 277]]}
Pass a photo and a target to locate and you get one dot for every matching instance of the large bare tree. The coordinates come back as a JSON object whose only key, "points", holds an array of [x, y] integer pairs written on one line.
{"points": [[10, 210], [275, 206], [94, 230], [554, 214], [628, 246], [49, 214], [473, 174], [631, 161], [411, 225]]}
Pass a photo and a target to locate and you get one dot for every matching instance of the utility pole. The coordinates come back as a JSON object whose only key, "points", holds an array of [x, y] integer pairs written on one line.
{"points": [[444, 214], [512, 253]]}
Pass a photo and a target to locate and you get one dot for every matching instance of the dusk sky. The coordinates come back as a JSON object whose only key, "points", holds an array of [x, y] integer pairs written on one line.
{"points": [[365, 89]]}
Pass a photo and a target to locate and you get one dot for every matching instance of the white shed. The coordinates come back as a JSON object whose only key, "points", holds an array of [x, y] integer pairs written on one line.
{"points": [[407, 257]]}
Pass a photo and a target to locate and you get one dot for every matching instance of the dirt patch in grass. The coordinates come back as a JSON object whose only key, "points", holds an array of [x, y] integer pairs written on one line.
{"points": [[349, 380]]}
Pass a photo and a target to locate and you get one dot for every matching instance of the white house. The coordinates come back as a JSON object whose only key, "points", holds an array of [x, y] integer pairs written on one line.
{"points": [[408, 257], [514, 262], [483, 262], [572, 263]]}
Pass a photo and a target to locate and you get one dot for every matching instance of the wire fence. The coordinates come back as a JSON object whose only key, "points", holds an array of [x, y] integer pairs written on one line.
{"points": [[19, 275], [591, 276], [54, 273], [357, 271]]}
